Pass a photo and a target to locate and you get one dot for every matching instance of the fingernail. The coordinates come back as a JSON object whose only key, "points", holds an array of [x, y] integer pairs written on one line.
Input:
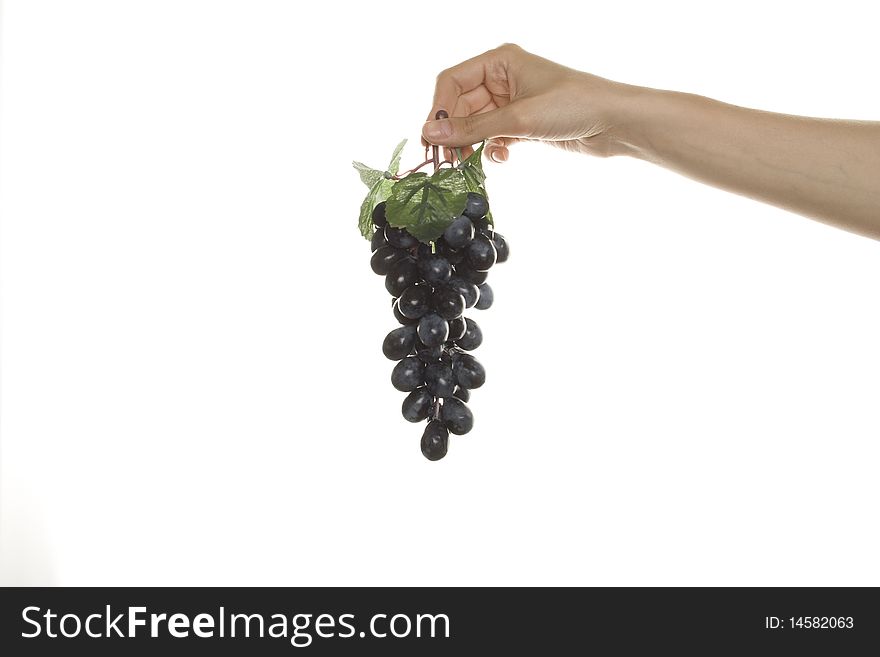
{"points": [[437, 129], [502, 155], [493, 155]]}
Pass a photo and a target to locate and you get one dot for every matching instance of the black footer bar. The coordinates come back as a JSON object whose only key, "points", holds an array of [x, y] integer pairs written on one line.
{"points": [[437, 621]]}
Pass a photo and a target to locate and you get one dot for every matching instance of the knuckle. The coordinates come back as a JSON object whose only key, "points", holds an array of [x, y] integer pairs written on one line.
{"points": [[508, 47]]}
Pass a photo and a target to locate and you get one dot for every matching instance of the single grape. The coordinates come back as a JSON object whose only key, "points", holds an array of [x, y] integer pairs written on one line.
{"points": [[435, 268], [472, 338], [399, 317], [466, 289], [462, 393], [486, 297], [456, 416], [440, 380], [399, 342], [447, 302], [378, 241], [457, 327], [466, 271], [481, 253], [414, 301], [385, 258], [477, 206], [402, 275], [379, 215], [501, 247], [459, 232], [433, 330], [469, 373], [400, 237], [435, 441], [417, 405], [408, 374]]}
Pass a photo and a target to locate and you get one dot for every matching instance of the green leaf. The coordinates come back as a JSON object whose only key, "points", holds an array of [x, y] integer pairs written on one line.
{"points": [[394, 165], [425, 205], [380, 186], [472, 170], [474, 176], [378, 193], [368, 175]]}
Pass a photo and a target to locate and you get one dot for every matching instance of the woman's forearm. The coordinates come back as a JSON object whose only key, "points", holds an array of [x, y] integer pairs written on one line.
{"points": [[823, 168], [826, 169]]}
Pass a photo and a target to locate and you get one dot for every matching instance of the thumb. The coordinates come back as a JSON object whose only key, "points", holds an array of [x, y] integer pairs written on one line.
{"points": [[467, 130]]}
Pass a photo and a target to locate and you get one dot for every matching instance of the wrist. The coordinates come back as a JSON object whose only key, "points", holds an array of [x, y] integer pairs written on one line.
{"points": [[636, 114]]}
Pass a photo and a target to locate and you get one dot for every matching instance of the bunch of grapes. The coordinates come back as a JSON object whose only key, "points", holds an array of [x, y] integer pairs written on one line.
{"points": [[431, 286]]}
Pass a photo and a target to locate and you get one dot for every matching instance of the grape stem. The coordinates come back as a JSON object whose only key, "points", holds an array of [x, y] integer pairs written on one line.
{"points": [[435, 154], [413, 170], [441, 114]]}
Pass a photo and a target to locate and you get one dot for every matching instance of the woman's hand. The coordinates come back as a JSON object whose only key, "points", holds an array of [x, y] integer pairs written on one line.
{"points": [[507, 94]]}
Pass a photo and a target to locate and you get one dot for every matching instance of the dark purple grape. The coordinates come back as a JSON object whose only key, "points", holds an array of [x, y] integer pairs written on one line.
{"points": [[466, 289], [456, 416], [477, 206], [466, 271], [481, 253], [408, 374], [400, 318], [459, 232], [417, 405], [487, 296], [472, 338], [385, 258], [433, 330], [447, 302], [457, 327], [435, 441], [379, 215], [402, 275], [435, 268], [440, 380], [462, 393], [501, 247], [399, 342], [378, 241], [469, 373], [414, 301], [400, 237]]}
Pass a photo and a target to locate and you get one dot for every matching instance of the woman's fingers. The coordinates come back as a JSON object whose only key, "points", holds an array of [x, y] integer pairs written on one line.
{"points": [[472, 102], [457, 81], [497, 148]]}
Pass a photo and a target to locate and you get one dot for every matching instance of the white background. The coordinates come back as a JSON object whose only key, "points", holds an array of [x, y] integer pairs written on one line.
{"points": [[682, 384]]}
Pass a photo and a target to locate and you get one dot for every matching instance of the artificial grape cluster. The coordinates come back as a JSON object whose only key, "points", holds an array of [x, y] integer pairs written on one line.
{"points": [[431, 286]]}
